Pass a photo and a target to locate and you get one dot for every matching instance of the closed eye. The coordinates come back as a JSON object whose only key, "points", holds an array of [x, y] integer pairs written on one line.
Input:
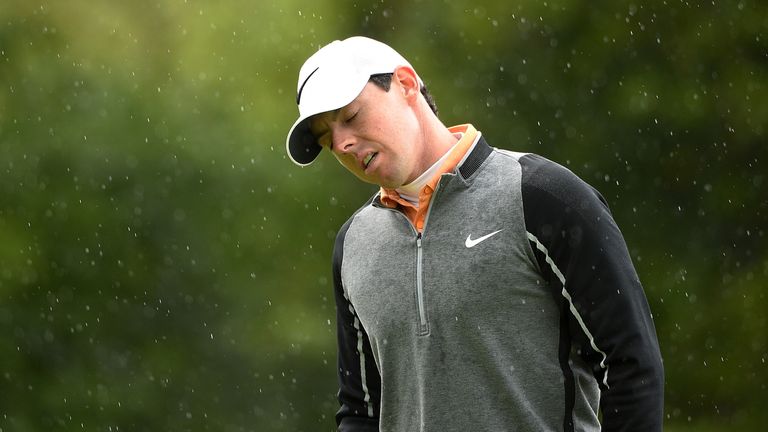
{"points": [[352, 117]]}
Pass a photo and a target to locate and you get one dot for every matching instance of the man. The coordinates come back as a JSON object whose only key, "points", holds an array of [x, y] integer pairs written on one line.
{"points": [[479, 289]]}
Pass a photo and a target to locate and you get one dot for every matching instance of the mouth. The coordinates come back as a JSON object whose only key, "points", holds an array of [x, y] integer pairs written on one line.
{"points": [[367, 160]]}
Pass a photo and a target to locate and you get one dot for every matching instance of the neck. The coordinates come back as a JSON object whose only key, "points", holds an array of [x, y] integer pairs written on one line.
{"points": [[436, 141]]}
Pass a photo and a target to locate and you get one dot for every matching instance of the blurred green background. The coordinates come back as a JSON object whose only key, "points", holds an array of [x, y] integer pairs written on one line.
{"points": [[163, 265]]}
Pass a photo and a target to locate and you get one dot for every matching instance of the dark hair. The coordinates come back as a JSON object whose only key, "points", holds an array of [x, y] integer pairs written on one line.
{"points": [[384, 81]]}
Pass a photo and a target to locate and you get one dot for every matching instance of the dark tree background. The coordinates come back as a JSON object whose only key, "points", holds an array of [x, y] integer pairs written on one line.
{"points": [[163, 266]]}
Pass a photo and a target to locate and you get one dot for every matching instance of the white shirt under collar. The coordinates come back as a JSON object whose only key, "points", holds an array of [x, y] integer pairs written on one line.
{"points": [[411, 191]]}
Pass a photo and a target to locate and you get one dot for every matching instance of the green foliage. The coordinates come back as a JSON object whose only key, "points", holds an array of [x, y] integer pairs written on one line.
{"points": [[163, 266]]}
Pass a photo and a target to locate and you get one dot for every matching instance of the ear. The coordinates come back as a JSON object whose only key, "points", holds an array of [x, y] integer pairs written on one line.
{"points": [[408, 82]]}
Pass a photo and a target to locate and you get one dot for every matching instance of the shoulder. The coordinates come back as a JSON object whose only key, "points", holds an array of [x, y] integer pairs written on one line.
{"points": [[555, 200], [546, 182], [342, 233], [542, 181]]}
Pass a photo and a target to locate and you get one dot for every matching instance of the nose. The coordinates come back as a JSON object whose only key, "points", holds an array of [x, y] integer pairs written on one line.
{"points": [[343, 140]]}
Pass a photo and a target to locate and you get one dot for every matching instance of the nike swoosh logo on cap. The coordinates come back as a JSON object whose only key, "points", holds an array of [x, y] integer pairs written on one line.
{"points": [[301, 89], [472, 243]]}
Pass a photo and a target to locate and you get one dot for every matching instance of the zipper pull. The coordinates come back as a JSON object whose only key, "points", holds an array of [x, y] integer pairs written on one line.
{"points": [[418, 240]]}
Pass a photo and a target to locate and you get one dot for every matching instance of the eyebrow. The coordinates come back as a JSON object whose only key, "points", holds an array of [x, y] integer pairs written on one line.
{"points": [[335, 114]]}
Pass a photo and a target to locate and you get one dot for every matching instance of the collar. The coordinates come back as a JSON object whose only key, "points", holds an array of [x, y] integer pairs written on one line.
{"points": [[458, 155]]}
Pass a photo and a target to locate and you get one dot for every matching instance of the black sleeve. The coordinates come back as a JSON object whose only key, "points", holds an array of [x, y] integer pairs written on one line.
{"points": [[359, 380], [582, 254]]}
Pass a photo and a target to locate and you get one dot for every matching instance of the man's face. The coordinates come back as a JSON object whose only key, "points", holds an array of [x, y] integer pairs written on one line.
{"points": [[375, 137]]}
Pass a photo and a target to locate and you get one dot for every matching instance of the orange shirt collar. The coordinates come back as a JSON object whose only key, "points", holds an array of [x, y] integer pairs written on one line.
{"points": [[390, 198]]}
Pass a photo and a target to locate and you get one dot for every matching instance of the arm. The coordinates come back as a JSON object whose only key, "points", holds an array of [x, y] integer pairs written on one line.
{"points": [[359, 380], [582, 253]]}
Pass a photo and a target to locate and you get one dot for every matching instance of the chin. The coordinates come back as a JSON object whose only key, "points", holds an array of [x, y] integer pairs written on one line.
{"points": [[362, 177]]}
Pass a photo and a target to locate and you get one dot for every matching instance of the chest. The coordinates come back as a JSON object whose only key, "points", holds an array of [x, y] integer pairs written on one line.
{"points": [[470, 269]]}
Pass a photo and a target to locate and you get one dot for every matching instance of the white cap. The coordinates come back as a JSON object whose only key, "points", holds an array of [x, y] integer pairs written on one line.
{"points": [[332, 78]]}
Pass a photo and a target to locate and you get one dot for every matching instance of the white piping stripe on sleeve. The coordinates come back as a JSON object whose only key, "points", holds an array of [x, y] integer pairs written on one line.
{"points": [[572, 308], [363, 380]]}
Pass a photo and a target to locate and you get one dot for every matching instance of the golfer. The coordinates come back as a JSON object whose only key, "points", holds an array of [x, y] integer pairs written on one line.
{"points": [[479, 289]]}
